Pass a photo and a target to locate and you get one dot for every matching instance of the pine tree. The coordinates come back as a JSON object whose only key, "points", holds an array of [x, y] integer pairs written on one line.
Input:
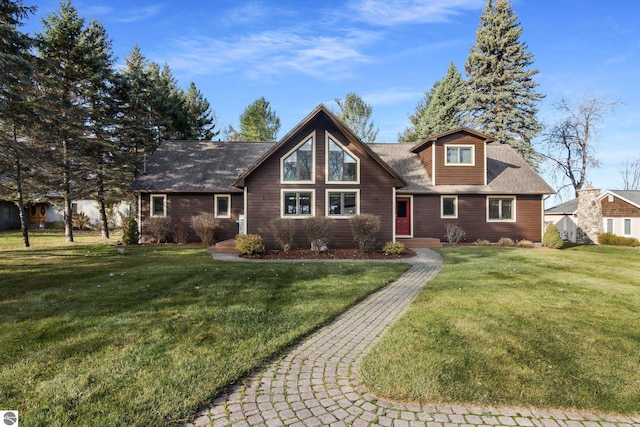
{"points": [[258, 122], [356, 114], [200, 117], [16, 112], [443, 111], [500, 97], [410, 133]]}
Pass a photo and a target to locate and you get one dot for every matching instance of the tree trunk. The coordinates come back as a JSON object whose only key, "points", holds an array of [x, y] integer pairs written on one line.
{"points": [[101, 204], [66, 184], [24, 226]]}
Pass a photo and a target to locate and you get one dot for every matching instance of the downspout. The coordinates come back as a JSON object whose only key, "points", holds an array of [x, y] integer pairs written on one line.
{"points": [[393, 214], [139, 196]]}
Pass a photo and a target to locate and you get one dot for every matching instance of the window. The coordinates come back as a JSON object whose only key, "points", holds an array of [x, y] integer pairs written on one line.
{"points": [[501, 209], [223, 206], [627, 226], [158, 205], [74, 207], [297, 203], [6, 212], [297, 165], [449, 206], [459, 155], [342, 203], [610, 225], [342, 166]]}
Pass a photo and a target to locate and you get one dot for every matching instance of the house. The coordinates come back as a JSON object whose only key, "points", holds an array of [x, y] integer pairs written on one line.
{"points": [[320, 168], [610, 211], [9, 215]]}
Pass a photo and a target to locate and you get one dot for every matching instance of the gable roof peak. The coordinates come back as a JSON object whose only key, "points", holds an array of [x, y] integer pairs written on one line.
{"points": [[462, 129]]}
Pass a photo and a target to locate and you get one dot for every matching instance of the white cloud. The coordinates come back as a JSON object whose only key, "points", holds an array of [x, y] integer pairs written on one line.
{"points": [[398, 12], [392, 96], [141, 14]]}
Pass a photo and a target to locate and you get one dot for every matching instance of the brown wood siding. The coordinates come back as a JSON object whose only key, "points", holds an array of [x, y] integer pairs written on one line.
{"points": [[264, 191], [618, 208], [460, 175], [472, 217], [426, 158], [182, 206]]}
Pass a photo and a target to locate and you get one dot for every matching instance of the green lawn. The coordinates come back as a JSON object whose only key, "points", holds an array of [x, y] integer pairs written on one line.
{"points": [[522, 327], [92, 337]]}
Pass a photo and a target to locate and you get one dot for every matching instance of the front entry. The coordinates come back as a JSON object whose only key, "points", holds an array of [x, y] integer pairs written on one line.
{"points": [[403, 216], [38, 214]]}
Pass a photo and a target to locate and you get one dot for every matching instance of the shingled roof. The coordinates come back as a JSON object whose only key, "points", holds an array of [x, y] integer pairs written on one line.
{"points": [[631, 196], [198, 166]]}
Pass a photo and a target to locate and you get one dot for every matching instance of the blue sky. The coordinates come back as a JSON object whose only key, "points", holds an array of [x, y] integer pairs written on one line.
{"points": [[299, 54]]}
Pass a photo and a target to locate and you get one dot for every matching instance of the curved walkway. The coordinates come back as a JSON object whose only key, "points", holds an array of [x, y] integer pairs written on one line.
{"points": [[317, 383]]}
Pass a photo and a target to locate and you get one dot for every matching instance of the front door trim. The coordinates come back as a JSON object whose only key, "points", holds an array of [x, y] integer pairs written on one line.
{"points": [[395, 213]]}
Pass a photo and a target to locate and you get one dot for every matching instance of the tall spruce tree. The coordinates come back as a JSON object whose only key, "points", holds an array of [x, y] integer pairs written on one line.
{"points": [[356, 114], [201, 119], [410, 133], [443, 111], [259, 122], [16, 114], [500, 97]]}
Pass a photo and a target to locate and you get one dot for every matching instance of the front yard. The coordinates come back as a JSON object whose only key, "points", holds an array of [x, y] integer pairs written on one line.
{"points": [[93, 337], [519, 327]]}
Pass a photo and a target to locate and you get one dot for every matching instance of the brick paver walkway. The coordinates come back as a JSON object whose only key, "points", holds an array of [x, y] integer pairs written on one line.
{"points": [[317, 383]]}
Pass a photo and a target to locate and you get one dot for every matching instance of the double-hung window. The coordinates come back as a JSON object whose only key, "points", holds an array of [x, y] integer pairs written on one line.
{"points": [[342, 203], [501, 208], [342, 165], [459, 155], [223, 206], [158, 205], [627, 226], [449, 206], [297, 203]]}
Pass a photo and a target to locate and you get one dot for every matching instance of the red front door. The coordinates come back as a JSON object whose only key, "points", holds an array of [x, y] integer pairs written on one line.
{"points": [[403, 216]]}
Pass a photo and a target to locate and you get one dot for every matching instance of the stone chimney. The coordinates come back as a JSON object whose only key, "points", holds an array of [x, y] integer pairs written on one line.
{"points": [[589, 216]]}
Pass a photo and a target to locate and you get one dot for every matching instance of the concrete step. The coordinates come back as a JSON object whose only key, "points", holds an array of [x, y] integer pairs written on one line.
{"points": [[421, 242]]}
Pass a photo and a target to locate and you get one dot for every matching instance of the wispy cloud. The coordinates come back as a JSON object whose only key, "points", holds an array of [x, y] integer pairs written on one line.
{"points": [[325, 57], [141, 14], [397, 12], [392, 96]]}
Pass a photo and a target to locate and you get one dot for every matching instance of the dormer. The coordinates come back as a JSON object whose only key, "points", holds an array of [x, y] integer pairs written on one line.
{"points": [[456, 157]]}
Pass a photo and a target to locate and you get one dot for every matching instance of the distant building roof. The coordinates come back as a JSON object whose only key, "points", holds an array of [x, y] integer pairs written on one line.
{"points": [[569, 207], [632, 196]]}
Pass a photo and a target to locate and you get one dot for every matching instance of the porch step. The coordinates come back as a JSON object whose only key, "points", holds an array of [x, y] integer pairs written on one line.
{"points": [[223, 247], [421, 242]]}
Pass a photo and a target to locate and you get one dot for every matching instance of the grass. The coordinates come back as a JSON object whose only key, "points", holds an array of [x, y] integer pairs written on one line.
{"points": [[519, 327], [38, 239], [92, 337]]}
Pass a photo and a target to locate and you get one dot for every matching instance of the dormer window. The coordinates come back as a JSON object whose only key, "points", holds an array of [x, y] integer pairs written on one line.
{"points": [[342, 165], [298, 164], [459, 155]]}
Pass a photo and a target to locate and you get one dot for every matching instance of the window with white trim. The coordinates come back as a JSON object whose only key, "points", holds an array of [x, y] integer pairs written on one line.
{"points": [[297, 165], [627, 226], [449, 206], [459, 155], [342, 203], [297, 203], [342, 165], [158, 205], [501, 208], [610, 225], [223, 206]]}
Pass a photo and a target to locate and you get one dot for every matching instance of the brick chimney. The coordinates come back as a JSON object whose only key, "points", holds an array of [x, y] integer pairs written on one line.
{"points": [[589, 216]]}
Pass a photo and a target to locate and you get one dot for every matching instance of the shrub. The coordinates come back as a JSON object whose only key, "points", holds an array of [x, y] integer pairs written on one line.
{"points": [[552, 238], [524, 243], [283, 232], [454, 233], [80, 220], [249, 244], [159, 227], [482, 242], [130, 234], [363, 228], [318, 230], [394, 248], [180, 232], [506, 241], [614, 240], [205, 227]]}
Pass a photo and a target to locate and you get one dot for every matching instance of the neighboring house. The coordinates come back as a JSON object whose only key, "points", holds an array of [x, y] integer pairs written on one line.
{"points": [[320, 168], [565, 217], [621, 212], [9, 215]]}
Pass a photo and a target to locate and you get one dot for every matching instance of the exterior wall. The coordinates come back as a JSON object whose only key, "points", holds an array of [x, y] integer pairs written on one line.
{"points": [[567, 225], [9, 216], [460, 175], [426, 158], [264, 191], [472, 217], [618, 210], [182, 206]]}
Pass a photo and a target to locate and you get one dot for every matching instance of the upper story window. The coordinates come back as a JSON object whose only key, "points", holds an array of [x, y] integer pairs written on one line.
{"points": [[298, 164], [501, 208], [158, 205], [342, 165], [459, 155]]}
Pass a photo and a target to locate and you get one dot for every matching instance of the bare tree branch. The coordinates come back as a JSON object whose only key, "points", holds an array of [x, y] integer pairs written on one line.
{"points": [[630, 173]]}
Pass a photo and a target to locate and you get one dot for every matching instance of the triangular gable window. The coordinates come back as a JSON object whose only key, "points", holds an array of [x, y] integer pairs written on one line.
{"points": [[342, 165], [297, 165]]}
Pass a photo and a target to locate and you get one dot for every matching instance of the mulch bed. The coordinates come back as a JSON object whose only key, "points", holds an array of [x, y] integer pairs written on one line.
{"points": [[331, 254]]}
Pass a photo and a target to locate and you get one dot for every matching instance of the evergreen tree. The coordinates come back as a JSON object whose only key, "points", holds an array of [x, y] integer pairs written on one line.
{"points": [[356, 114], [201, 119], [16, 114], [258, 122], [500, 97], [410, 133]]}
